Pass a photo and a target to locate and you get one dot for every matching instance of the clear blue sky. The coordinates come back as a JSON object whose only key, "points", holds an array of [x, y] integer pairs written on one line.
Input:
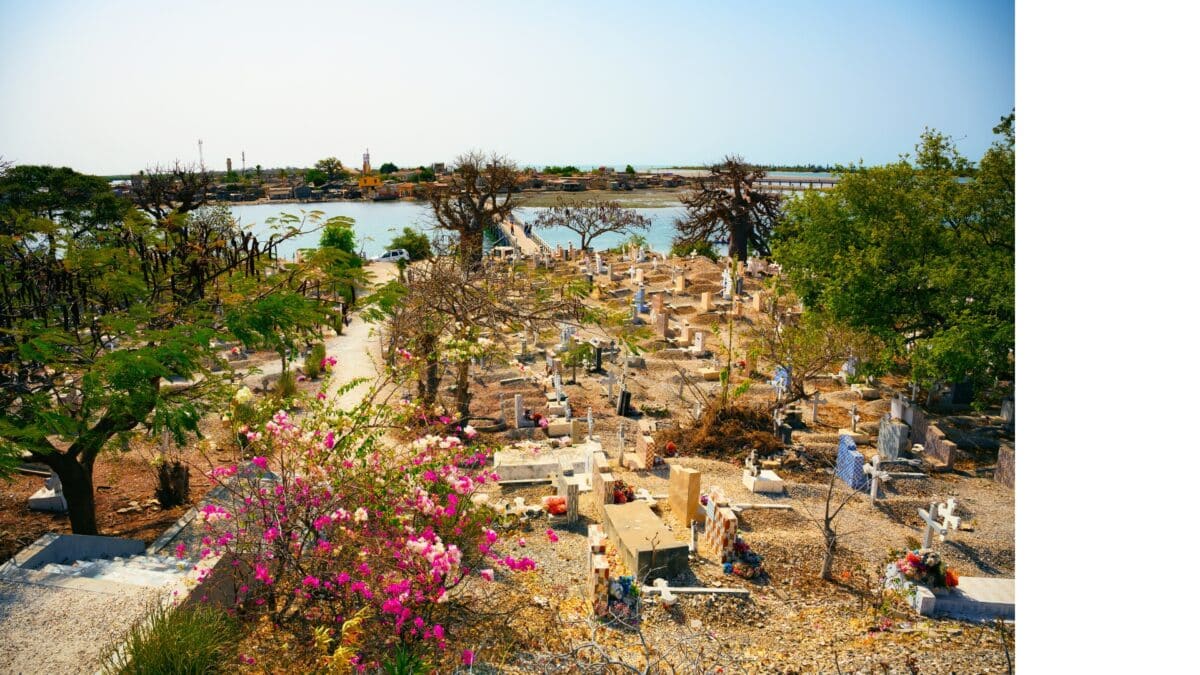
{"points": [[111, 87]]}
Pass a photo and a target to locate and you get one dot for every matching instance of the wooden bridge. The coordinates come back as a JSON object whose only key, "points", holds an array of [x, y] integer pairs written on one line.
{"points": [[795, 183]]}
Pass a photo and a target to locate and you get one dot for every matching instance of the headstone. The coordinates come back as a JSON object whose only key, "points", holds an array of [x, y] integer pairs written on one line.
{"points": [[849, 465], [683, 494], [726, 284], [680, 283], [685, 332], [639, 275], [854, 418], [591, 424], [624, 403], [705, 302], [49, 497], [893, 438], [816, 401], [1008, 410], [646, 546], [662, 323], [656, 302], [756, 301], [640, 299], [720, 529]]}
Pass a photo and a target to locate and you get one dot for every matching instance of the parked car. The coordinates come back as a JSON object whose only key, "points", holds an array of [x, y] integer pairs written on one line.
{"points": [[393, 256]]}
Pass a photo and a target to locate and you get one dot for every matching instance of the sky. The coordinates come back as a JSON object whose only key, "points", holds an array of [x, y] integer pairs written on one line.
{"points": [[112, 87]]}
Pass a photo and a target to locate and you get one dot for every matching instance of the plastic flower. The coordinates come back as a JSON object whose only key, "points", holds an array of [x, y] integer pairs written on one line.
{"points": [[552, 535], [243, 395], [260, 462], [468, 657], [488, 574]]}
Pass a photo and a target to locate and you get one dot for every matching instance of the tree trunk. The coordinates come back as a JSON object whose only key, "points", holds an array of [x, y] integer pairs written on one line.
{"points": [[470, 249], [172, 484], [739, 236], [462, 391], [427, 386], [830, 550], [77, 489]]}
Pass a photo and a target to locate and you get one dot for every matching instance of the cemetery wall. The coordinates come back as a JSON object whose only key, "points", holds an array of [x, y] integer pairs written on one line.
{"points": [[939, 447]]}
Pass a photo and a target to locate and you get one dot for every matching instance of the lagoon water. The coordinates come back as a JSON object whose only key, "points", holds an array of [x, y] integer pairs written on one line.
{"points": [[376, 223]]}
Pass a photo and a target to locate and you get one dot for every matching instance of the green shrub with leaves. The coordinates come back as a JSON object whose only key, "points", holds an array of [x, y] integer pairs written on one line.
{"points": [[312, 362], [181, 641], [285, 387], [405, 661]]}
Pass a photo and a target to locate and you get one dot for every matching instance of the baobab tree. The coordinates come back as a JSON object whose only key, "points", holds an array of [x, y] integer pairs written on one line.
{"points": [[726, 205], [592, 218], [478, 194]]}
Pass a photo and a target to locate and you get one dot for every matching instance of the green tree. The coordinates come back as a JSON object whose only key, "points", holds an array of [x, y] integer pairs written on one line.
{"points": [[332, 167], [316, 177], [339, 235], [415, 242], [917, 256], [388, 168], [629, 169], [726, 205], [101, 307]]}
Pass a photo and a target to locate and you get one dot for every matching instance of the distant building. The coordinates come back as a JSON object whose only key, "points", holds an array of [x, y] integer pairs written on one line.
{"points": [[368, 182], [438, 167]]}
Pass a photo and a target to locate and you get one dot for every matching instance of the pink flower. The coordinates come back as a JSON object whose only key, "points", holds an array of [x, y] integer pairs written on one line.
{"points": [[329, 438], [260, 462], [552, 535], [310, 580], [468, 657], [488, 574], [320, 396], [180, 550], [261, 573], [521, 541]]}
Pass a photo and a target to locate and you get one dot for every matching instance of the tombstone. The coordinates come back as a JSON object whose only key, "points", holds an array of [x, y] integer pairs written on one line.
{"points": [[850, 367], [854, 418], [640, 299], [698, 343], [598, 572], [737, 285], [1007, 411], [519, 412], [656, 302], [639, 275], [782, 382], [591, 424], [662, 323], [720, 529], [597, 359], [850, 462], [962, 393], [49, 497], [726, 284], [706, 302], [683, 494], [680, 282], [524, 346], [893, 438], [685, 332], [624, 403], [608, 383], [756, 301]]}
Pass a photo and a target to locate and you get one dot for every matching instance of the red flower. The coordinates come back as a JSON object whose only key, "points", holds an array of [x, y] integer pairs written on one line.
{"points": [[951, 578]]}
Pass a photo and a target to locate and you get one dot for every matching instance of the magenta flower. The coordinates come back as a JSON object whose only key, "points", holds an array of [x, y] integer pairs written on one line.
{"points": [[260, 462], [552, 535], [488, 574], [468, 657]]}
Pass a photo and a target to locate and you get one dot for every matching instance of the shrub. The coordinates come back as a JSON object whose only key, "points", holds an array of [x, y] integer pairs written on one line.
{"points": [[285, 386], [185, 640], [405, 662], [312, 362]]}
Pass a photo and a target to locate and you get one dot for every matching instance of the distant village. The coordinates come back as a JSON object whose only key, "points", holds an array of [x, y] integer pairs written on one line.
{"points": [[390, 182]]}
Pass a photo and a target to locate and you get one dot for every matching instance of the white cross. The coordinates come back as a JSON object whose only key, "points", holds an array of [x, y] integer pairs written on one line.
{"points": [[878, 475], [816, 400], [591, 423], [949, 521]]}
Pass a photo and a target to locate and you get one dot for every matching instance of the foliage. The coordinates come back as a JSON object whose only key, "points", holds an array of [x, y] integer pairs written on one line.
{"points": [[629, 169], [404, 661], [388, 168], [808, 344], [415, 242], [353, 541], [592, 218], [916, 256], [424, 175], [338, 235], [726, 205], [562, 170], [314, 363], [332, 167], [317, 177], [186, 640], [633, 241], [100, 304], [683, 249], [278, 322]]}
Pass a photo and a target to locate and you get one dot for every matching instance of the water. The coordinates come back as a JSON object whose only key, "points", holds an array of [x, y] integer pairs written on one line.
{"points": [[375, 223]]}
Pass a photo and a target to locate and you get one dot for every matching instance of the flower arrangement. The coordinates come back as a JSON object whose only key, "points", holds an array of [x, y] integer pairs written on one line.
{"points": [[622, 492], [926, 567], [624, 600], [746, 563]]}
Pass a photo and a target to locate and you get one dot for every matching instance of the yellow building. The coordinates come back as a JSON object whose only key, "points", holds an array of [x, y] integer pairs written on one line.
{"points": [[368, 183]]}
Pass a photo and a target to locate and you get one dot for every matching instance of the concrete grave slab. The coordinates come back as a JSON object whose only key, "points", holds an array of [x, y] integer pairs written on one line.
{"points": [[646, 546]]}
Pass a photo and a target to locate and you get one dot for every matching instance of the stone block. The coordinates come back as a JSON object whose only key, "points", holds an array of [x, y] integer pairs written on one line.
{"points": [[974, 599], [1006, 466], [47, 500], [939, 450], [683, 494], [893, 438], [720, 530], [868, 393], [646, 546], [710, 374], [850, 464], [766, 482]]}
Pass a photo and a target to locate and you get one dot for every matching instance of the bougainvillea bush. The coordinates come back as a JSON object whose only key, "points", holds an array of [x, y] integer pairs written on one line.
{"points": [[352, 541]]}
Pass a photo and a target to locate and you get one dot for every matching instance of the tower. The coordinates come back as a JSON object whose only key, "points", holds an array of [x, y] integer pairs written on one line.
{"points": [[368, 183]]}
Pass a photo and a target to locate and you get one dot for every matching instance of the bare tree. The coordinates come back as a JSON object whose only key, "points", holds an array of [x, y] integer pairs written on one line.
{"points": [[163, 191], [727, 205], [442, 311], [592, 218], [476, 196]]}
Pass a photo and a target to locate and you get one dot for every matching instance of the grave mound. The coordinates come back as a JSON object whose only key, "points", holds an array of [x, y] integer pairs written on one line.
{"points": [[727, 433]]}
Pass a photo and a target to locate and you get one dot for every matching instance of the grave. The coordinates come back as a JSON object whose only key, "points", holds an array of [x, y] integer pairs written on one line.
{"points": [[949, 521], [534, 462], [603, 482], [683, 494], [893, 437], [642, 458], [850, 463], [720, 528], [939, 450], [975, 599], [758, 480], [645, 544], [49, 497], [598, 577]]}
